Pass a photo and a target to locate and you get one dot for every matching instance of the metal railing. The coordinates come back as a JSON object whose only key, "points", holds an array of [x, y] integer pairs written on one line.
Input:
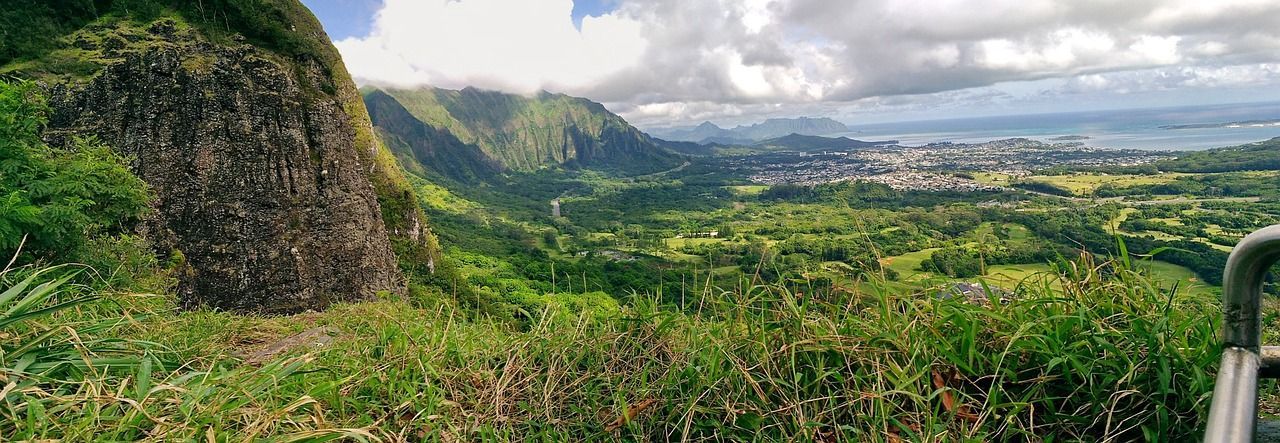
{"points": [[1233, 417]]}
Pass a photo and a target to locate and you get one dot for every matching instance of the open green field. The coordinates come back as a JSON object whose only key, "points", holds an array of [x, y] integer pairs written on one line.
{"points": [[1170, 274], [1009, 276], [1006, 276], [1079, 184], [908, 265], [682, 242], [1085, 184], [747, 190]]}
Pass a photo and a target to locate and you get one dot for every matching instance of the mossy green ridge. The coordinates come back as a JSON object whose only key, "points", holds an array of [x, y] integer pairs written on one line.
{"points": [[421, 148], [1260, 156], [81, 42], [74, 39], [527, 133]]}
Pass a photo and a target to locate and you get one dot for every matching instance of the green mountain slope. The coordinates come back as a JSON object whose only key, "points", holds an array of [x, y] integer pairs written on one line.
{"points": [[521, 133], [421, 147]]}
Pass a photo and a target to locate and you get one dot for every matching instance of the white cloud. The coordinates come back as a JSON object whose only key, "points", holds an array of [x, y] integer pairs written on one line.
{"points": [[688, 58], [1261, 75], [515, 45]]}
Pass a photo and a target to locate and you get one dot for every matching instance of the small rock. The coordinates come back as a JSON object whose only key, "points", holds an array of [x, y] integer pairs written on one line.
{"points": [[164, 28], [313, 338]]}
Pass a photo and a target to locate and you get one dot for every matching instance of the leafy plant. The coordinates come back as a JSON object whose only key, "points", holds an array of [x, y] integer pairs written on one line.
{"points": [[57, 198], [67, 377]]}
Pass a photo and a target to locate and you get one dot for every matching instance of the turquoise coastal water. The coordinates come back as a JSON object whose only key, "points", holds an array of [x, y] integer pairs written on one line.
{"points": [[1130, 128]]}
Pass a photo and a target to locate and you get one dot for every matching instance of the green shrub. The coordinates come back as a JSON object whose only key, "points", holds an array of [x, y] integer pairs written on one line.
{"points": [[55, 199], [126, 262]]}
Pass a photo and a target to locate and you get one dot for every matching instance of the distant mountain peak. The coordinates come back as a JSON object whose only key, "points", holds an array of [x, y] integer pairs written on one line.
{"points": [[708, 132], [801, 142], [814, 122]]}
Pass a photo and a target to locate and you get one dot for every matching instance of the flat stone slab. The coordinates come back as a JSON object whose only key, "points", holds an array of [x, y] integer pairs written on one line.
{"points": [[313, 338], [1268, 430]]}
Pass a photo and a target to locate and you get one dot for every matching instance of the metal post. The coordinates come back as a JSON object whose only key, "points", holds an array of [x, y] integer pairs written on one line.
{"points": [[1233, 417]]}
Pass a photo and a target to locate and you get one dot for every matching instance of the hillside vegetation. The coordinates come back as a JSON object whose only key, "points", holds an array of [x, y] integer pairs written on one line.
{"points": [[1260, 156], [525, 134], [282, 26], [761, 362]]}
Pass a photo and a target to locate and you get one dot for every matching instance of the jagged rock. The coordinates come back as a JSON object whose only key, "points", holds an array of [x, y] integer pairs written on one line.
{"points": [[255, 168]]}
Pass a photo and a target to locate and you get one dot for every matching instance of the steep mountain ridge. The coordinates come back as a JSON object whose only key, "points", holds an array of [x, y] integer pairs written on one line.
{"points": [[271, 189], [520, 133], [420, 146], [778, 127]]}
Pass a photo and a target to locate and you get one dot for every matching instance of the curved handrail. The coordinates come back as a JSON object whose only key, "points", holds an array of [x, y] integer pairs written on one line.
{"points": [[1233, 415]]}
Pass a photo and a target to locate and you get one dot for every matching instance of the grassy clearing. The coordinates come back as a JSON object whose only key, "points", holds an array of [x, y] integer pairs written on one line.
{"points": [[1010, 276], [992, 178], [1170, 274], [747, 190], [1085, 184], [438, 197], [759, 363], [1081, 184], [682, 242], [908, 265]]}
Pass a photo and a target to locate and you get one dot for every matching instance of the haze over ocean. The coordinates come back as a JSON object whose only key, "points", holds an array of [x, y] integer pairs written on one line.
{"points": [[1126, 128]]}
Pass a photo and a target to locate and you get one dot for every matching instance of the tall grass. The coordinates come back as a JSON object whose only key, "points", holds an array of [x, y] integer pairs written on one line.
{"points": [[1096, 351], [65, 376]]}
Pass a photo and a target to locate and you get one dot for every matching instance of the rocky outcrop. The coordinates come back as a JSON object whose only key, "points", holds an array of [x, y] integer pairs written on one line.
{"points": [[261, 173]]}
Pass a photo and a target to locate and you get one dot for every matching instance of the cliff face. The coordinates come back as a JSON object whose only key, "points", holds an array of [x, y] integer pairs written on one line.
{"points": [[527, 133], [267, 177]]}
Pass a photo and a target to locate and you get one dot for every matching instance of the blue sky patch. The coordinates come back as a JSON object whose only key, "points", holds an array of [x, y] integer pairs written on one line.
{"points": [[595, 8], [345, 18]]}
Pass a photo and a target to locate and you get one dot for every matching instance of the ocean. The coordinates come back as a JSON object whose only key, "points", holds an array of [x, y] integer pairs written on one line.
{"points": [[1129, 128]]}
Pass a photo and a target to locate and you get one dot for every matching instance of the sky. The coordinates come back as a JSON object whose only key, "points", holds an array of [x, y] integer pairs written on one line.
{"points": [[665, 63]]}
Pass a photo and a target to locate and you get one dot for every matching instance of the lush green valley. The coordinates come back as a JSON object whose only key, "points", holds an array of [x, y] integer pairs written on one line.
{"points": [[798, 289]]}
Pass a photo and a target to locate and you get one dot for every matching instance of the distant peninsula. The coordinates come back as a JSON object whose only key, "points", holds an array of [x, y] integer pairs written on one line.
{"points": [[1239, 124], [709, 133], [1070, 138]]}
